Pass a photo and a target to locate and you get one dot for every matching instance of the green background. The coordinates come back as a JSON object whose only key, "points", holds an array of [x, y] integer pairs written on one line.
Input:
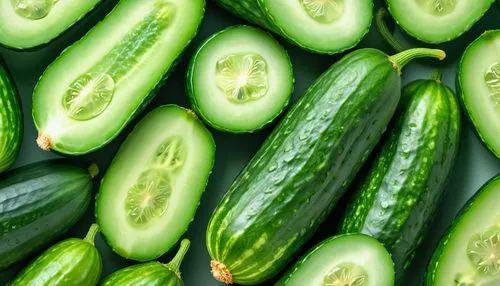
{"points": [[475, 165]]}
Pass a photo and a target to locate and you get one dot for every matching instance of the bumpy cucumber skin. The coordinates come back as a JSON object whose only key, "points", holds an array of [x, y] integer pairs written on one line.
{"points": [[11, 120], [192, 96], [256, 12], [70, 262], [151, 274], [436, 257], [298, 175], [38, 203], [460, 75], [398, 199]]}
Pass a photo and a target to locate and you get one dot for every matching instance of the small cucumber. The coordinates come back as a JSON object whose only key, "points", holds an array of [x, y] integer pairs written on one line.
{"points": [[70, 262], [240, 79], [150, 192], [469, 253], [151, 273], [352, 259]]}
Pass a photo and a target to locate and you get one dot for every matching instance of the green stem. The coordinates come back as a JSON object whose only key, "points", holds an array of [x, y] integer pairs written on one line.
{"points": [[401, 59], [437, 75], [93, 170], [175, 264], [385, 33], [90, 237]]}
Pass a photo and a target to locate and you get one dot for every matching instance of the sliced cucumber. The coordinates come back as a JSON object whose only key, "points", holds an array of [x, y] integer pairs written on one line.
{"points": [[352, 259], [240, 79], [30, 23], [437, 21], [469, 254], [150, 192], [479, 87], [121, 62]]}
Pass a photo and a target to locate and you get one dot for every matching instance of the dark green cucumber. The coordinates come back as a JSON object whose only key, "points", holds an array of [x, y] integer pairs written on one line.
{"points": [[469, 253], [398, 198], [11, 121], [351, 259], [305, 165], [151, 273], [70, 262], [38, 203], [26, 24]]}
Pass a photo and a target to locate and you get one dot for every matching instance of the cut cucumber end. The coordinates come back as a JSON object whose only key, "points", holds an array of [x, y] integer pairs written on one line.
{"points": [[221, 272], [44, 141], [240, 79]]}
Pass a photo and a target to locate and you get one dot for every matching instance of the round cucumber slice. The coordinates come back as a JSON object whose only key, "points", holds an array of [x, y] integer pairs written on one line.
{"points": [[150, 193], [437, 21], [240, 79], [479, 87], [352, 259]]}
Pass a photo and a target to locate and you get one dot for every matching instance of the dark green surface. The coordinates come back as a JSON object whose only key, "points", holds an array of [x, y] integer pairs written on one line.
{"points": [[475, 165]]}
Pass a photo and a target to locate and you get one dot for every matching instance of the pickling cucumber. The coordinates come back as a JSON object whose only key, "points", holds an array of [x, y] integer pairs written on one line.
{"points": [[478, 84], [26, 24], [304, 166], [397, 200], [352, 259], [38, 203], [122, 61], [151, 190], [469, 254], [240, 79], [70, 262], [11, 120], [151, 273], [437, 21], [322, 26]]}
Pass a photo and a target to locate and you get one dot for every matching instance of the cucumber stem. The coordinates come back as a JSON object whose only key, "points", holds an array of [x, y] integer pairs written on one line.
{"points": [[44, 142], [90, 237], [437, 75], [93, 170], [401, 59], [175, 263], [385, 33]]}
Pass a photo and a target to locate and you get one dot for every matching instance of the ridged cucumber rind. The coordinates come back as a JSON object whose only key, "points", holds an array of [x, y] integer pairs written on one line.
{"points": [[150, 273]]}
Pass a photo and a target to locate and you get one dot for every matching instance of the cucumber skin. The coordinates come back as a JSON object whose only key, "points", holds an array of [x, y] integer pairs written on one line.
{"points": [[346, 121], [70, 262], [151, 274], [430, 275], [11, 127], [470, 116], [402, 225], [42, 201], [191, 93]]}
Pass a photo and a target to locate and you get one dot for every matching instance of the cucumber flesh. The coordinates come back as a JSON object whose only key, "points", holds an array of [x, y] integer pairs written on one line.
{"points": [[240, 79], [149, 194], [437, 21]]}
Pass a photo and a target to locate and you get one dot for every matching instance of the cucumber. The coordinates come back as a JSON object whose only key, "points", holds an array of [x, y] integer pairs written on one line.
{"points": [[352, 259], [70, 262], [122, 62], [240, 79], [26, 24], [437, 21], [305, 165], [151, 273], [38, 203], [478, 84], [469, 252], [150, 193], [11, 120], [321, 26], [396, 201]]}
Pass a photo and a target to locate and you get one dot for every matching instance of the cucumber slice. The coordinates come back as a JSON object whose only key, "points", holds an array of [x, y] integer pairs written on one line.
{"points": [[240, 79], [479, 87], [437, 21], [27, 24], [122, 61], [352, 259], [469, 254], [150, 192]]}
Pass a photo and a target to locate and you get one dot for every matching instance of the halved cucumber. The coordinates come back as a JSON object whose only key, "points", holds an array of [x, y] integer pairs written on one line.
{"points": [[27, 24], [86, 97], [323, 26], [479, 87], [240, 79], [469, 254], [437, 21], [150, 192], [352, 259]]}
